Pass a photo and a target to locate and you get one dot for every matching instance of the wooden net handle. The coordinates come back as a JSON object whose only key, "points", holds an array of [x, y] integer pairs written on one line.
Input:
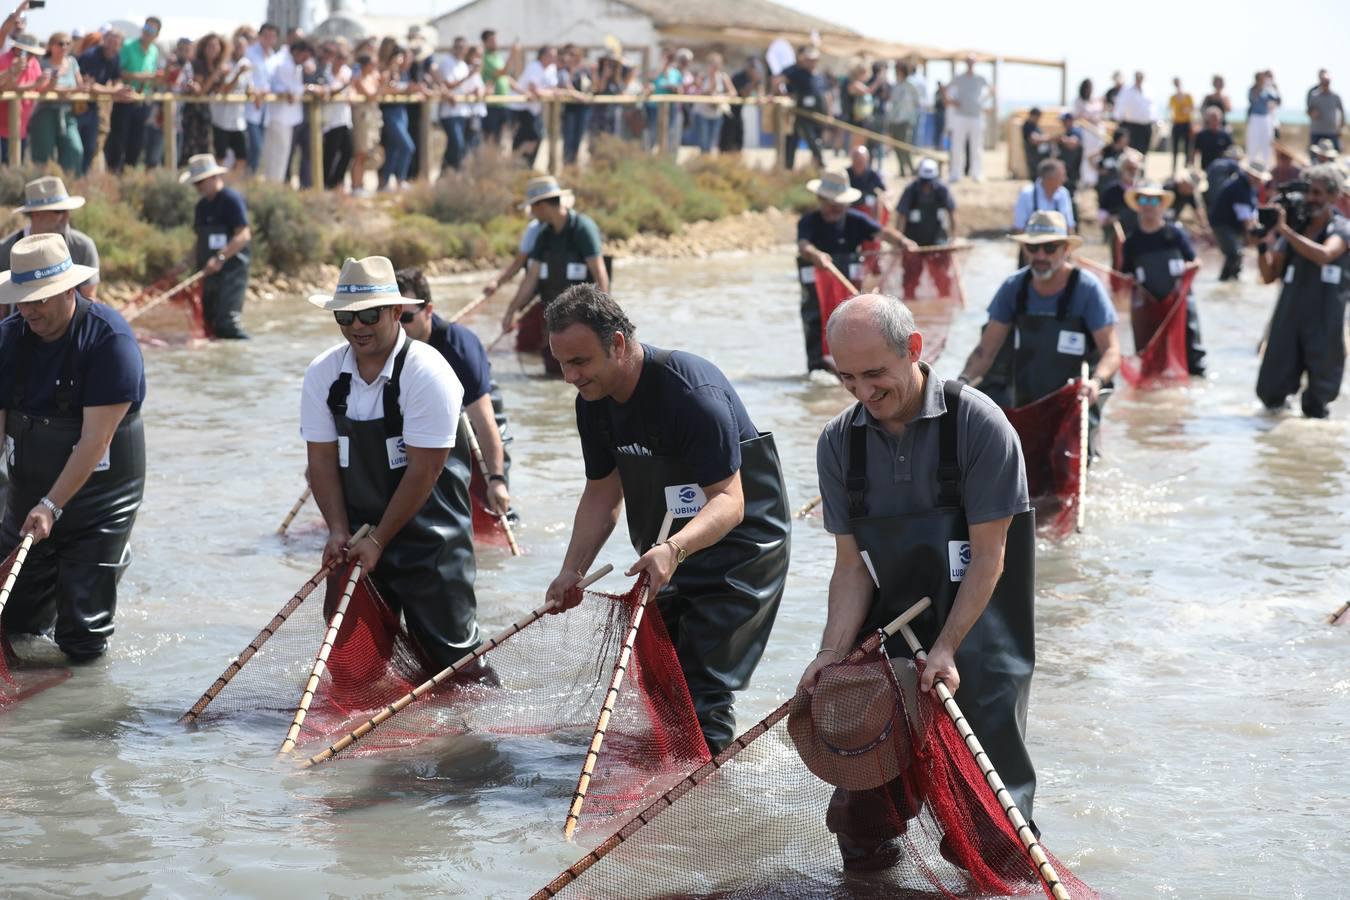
{"points": [[1083, 432], [523, 310], [477, 451], [295, 510], [20, 554]]}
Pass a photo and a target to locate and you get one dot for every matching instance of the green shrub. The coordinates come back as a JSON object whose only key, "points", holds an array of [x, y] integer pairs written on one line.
{"points": [[290, 229], [13, 180], [160, 198], [130, 249], [487, 185]]}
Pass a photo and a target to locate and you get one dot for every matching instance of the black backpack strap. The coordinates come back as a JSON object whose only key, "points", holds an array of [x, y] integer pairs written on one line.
{"points": [[393, 416], [949, 466], [1022, 288], [855, 478], [1066, 296]]}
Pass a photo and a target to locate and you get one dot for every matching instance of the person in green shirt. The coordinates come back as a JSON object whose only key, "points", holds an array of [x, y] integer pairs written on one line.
{"points": [[497, 78], [140, 70]]}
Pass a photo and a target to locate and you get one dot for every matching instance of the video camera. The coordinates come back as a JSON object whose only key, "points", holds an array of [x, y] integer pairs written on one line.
{"points": [[1293, 197]]}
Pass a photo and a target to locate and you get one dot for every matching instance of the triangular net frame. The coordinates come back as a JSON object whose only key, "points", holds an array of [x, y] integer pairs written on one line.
{"points": [[755, 822]]}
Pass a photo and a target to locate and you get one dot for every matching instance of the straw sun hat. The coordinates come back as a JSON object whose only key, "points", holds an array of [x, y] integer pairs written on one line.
{"points": [[363, 284], [201, 167], [48, 194], [850, 730], [1149, 190], [1045, 227], [544, 187], [832, 185], [41, 267]]}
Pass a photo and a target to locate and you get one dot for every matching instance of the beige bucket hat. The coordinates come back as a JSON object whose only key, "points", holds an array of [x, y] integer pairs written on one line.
{"points": [[201, 167], [1046, 227], [364, 284], [28, 44], [41, 267], [832, 185], [48, 194]]}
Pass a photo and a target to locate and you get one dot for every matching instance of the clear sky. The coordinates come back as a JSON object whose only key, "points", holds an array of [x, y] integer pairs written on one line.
{"points": [[1164, 38]]}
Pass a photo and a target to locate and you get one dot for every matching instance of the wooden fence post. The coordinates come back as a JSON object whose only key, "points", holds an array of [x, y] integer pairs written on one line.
{"points": [[782, 117], [662, 127], [169, 124], [553, 118], [15, 142], [424, 138], [315, 137]]}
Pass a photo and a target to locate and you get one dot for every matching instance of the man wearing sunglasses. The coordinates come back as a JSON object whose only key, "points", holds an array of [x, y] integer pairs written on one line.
{"points": [[1157, 253], [482, 401], [1307, 330], [379, 413], [1045, 321]]}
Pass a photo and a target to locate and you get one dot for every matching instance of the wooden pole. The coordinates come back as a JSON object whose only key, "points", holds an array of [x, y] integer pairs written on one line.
{"points": [[167, 295], [467, 427], [553, 118], [670, 797], [268, 630], [314, 135], [523, 310], [15, 142], [321, 661], [1019, 823], [843, 279], [1338, 616], [20, 554], [1064, 83], [430, 684], [875, 136], [468, 308], [169, 122], [295, 509], [782, 118], [662, 128], [1083, 431], [424, 138], [809, 505]]}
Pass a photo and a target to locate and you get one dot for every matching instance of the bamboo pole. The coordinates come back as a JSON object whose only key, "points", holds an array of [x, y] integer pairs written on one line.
{"points": [[1083, 431], [991, 776], [1338, 617], [178, 288], [483, 470], [553, 118], [321, 661], [809, 506], [672, 796], [468, 308], [828, 265], [523, 310], [295, 510], [20, 554], [430, 684], [257, 643], [15, 127]]}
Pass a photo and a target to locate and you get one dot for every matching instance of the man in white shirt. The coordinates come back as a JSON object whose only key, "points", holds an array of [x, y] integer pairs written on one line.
{"points": [[260, 54], [967, 95], [288, 80], [1134, 110], [453, 74], [379, 413], [539, 79]]}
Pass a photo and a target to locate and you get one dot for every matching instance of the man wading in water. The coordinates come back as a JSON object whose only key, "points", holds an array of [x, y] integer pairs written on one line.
{"points": [[925, 491], [223, 237], [664, 434]]}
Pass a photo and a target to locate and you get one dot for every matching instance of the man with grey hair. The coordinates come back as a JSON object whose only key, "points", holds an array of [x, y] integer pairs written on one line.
{"points": [[925, 491], [1307, 330]]}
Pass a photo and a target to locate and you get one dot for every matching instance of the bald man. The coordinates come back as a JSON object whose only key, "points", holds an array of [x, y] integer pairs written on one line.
{"points": [[925, 491]]}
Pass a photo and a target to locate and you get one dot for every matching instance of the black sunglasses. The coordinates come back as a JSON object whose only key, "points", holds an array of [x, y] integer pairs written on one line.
{"points": [[407, 317], [345, 317], [1049, 249]]}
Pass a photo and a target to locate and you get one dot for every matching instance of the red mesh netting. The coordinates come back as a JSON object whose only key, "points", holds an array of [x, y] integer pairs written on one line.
{"points": [[919, 819], [1051, 434], [178, 320], [1159, 337], [548, 678], [18, 681], [831, 292], [931, 274], [487, 528], [933, 313]]}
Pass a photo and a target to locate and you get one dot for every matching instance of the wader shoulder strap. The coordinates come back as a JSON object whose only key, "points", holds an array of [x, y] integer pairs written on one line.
{"points": [[65, 384], [949, 466], [1066, 296], [337, 394], [393, 416], [1022, 288], [855, 478]]}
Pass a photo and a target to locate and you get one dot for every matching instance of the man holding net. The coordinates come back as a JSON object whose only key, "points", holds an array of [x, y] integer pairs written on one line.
{"points": [[925, 491], [379, 413], [664, 434]]}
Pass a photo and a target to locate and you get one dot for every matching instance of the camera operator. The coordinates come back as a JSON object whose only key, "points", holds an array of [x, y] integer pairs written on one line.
{"points": [[1307, 330]]}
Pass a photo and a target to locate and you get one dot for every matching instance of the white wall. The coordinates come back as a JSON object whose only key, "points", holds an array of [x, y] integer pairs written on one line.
{"points": [[537, 22]]}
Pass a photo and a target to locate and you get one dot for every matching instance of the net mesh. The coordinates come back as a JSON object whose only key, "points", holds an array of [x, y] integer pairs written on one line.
{"points": [[19, 681], [487, 528], [548, 678], [933, 312], [180, 319], [931, 274], [1050, 431], [1159, 328], [759, 823]]}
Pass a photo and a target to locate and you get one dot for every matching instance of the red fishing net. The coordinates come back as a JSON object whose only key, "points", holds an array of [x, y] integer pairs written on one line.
{"points": [[179, 319], [830, 291], [1159, 337], [19, 681], [915, 819], [932, 314], [487, 528], [1051, 434], [548, 678], [932, 273]]}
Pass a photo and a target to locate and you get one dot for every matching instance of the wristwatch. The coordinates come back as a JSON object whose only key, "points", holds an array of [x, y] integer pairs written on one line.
{"points": [[55, 510], [221, 257], [497, 477]]}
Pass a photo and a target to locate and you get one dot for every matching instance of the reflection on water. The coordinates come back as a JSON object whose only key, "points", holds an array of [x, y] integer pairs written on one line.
{"points": [[1189, 711]]}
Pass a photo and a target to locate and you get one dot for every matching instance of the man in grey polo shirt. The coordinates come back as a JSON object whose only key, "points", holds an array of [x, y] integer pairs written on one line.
{"points": [[1326, 114], [48, 208], [967, 94], [925, 490]]}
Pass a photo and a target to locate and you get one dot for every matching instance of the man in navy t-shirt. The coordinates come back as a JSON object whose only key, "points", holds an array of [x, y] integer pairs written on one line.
{"points": [[464, 351], [665, 436], [862, 177], [223, 238], [1232, 214], [71, 385], [808, 90]]}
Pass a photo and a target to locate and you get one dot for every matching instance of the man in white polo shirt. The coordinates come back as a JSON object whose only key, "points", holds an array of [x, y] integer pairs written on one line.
{"points": [[379, 412]]}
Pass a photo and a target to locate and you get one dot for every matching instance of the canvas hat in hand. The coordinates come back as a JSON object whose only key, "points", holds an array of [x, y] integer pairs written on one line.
{"points": [[363, 284], [832, 185], [1046, 227], [201, 167], [41, 267], [851, 730], [48, 194], [1148, 190]]}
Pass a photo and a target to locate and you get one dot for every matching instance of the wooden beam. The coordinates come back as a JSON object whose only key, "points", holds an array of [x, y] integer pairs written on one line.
{"points": [[886, 139]]}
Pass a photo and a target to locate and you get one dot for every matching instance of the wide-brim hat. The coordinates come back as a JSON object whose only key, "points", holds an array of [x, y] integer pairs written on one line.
{"points": [[1133, 194], [41, 267], [850, 729], [832, 185], [201, 167], [1045, 227], [364, 284], [48, 194], [1256, 170], [28, 44], [544, 187], [1325, 149]]}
